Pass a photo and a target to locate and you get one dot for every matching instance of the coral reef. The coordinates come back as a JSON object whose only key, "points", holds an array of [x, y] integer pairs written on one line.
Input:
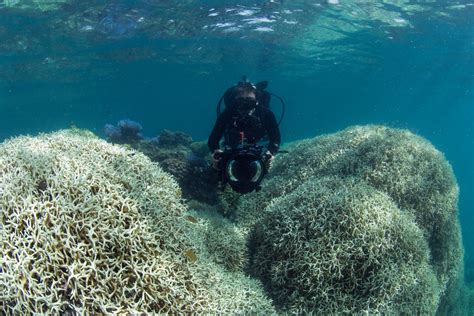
{"points": [[126, 132], [177, 154], [200, 149], [168, 138], [93, 228], [456, 299], [404, 166], [337, 245], [223, 240], [360, 221], [186, 161]]}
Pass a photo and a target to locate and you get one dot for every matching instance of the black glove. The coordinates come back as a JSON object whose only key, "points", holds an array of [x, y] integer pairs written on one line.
{"points": [[216, 157]]}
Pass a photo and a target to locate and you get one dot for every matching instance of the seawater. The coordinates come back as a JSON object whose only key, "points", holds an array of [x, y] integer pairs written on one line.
{"points": [[165, 65]]}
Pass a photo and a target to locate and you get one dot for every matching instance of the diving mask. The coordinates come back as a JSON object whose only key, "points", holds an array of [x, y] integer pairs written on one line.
{"points": [[246, 102]]}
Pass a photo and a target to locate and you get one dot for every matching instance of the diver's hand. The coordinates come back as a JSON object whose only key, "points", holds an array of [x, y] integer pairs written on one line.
{"points": [[216, 157], [268, 159]]}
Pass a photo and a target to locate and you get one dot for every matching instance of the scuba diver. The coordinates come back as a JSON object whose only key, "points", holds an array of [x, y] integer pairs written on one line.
{"points": [[245, 121]]}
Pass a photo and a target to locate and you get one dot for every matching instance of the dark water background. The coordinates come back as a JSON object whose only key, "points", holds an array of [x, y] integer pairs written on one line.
{"points": [[91, 63]]}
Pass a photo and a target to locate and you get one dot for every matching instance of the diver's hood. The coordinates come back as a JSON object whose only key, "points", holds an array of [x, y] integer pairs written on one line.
{"points": [[263, 96]]}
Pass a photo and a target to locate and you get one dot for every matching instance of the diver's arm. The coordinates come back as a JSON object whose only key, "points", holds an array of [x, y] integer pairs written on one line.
{"points": [[217, 132], [273, 131]]}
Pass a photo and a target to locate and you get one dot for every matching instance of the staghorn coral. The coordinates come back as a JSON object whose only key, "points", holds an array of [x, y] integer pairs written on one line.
{"points": [[306, 158], [420, 180], [403, 165], [223, 240], [337, 245], [228, 202], [88, 227]]}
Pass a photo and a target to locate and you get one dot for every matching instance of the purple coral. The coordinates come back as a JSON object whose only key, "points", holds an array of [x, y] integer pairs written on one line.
{"points": [[130, 128], [112, 132], [126, 131]]}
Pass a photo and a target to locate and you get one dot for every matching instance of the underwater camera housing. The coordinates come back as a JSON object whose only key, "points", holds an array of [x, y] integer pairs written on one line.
{"points": [[243, 168]]}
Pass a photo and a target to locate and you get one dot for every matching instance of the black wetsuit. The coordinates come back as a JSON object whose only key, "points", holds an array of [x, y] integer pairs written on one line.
{"points": [[245, 126]]}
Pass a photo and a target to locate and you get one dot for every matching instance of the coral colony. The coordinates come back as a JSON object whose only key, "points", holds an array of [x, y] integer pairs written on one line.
{"points": [[92, 228], [177, 154], [363, 221], [367, 210], [126, 131]]}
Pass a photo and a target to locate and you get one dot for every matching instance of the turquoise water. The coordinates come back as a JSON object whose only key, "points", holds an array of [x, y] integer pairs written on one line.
{"points": [[166, 63]]}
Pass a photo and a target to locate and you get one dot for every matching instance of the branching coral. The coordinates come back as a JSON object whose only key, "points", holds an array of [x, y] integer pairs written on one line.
{"points": [[361, 221], [89, 227], [338, 245], [404, 166], [126, 132], [420, 180], [223, 240], [174, 153], [306, 158]]}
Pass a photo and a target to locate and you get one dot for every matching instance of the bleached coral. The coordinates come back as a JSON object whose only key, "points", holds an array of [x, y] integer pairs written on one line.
{"points": [[223, 240], [337, 245], [397, 162], [90, 227], [421, 181]]}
